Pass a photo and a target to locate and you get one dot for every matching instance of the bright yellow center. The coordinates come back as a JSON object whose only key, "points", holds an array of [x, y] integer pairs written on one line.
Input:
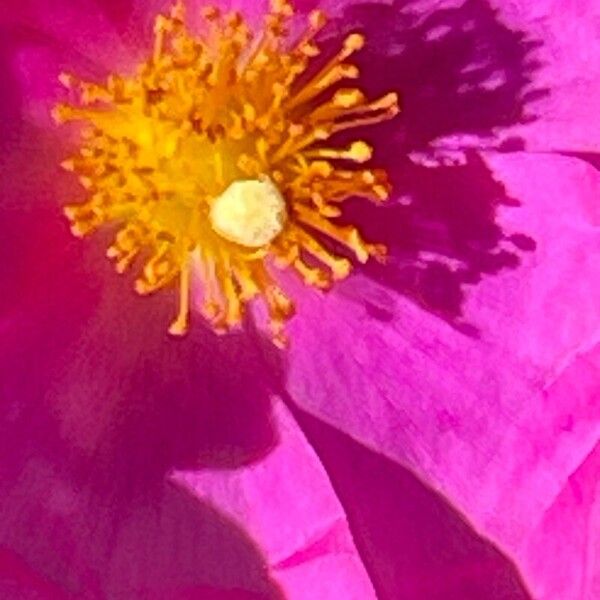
{"points": [[216, 160]]}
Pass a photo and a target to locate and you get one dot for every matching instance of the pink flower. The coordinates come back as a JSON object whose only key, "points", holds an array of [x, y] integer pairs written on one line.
{"points": [[433, 420]]}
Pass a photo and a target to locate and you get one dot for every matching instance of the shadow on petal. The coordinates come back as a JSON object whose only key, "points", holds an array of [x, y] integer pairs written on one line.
{"points": [[414, 544], [592, 158], [166, 545], [461, 75], [446, 239], [98, 404], [95, 363], [458, 69]]}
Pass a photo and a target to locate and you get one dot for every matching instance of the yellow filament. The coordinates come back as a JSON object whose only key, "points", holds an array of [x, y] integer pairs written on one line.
{"points": [[180, 324]]}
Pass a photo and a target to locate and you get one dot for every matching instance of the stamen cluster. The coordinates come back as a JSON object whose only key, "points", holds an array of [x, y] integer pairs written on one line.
{"points": [[209, 109]]}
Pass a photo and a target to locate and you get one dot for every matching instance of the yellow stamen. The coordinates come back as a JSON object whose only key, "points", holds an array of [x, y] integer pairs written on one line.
{"points": [[215, 150], [180, 325]]}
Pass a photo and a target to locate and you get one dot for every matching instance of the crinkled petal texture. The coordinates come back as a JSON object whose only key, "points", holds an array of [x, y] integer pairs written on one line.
{"points": [[565, 115], [151, 468], [286, 501], [482, 374], [549, 76], [500, 420]]}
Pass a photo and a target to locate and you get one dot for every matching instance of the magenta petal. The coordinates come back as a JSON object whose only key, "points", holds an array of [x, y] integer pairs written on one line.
{"points": [[41, 44], [162, 543], [479, 73], [90, 426], [87, 438], [502, 422], [497, 420], [405, 532], [568, 36], [19, 582], [568, 531], [81, 26], [287, 504]]}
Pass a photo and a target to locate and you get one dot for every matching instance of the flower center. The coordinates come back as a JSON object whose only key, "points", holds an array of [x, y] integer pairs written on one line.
{"points": [[251, 213], [216, 161]]}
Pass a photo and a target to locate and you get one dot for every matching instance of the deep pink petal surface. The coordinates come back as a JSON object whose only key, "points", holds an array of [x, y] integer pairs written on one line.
{"points": [[287, 503], [40, 45], [82, 27], [19, 582], [497, 417], [566, 115], [414, 544], [568, 531]]}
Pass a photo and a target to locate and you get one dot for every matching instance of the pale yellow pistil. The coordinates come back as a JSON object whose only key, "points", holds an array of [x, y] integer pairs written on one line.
{"points": [[251, 213], [216, 160]]}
